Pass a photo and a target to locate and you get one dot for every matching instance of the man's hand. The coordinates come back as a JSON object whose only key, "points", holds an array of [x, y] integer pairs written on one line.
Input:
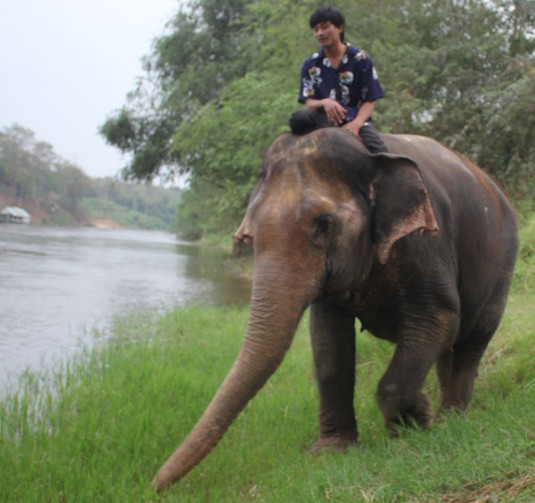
{"points": [[334, 111], [354, 126], [364, 115]]}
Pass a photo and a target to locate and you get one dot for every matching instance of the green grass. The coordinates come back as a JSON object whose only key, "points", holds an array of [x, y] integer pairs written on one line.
{"points": [[101, 208], [100, 427]]}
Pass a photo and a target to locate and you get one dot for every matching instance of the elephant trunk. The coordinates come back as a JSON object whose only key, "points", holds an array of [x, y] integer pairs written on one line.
{"points": [[269, 335]]}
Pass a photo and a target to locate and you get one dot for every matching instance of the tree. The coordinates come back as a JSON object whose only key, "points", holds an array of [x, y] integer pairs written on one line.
{"points": [[223, 143], [224, 79], [27, 163], [189, 66]]}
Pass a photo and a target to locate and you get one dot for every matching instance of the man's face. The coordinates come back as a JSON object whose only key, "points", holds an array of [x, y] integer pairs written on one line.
{"points": [[327, 34]]}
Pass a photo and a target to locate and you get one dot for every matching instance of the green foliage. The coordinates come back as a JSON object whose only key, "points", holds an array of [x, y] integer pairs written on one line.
{"points": [[190, 65], [509, 127], [57, 192], [32, 171], [462, 72], [524, 277], [132, 205], [222, 148], [114, 414]]}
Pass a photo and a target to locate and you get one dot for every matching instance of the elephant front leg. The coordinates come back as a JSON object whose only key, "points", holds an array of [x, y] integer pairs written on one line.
{"points": [[333, 345], [399, 393]]}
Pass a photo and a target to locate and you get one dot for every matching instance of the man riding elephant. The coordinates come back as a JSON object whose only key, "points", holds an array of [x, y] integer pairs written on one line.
{"points": [[419, 247], [339, 87], [339, 84]]}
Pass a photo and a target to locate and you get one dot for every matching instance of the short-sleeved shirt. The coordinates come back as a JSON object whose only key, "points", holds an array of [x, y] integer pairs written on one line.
{"points": [[354, 82]]}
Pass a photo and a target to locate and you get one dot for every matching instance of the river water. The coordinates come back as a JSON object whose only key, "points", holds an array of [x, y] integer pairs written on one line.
{"points": [[58, 286]]}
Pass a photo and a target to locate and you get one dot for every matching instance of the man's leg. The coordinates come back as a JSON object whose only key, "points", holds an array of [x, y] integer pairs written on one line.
{"points": [[306, 119], [371, 139]]}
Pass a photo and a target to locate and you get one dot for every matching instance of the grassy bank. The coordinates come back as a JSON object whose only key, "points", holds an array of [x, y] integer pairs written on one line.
{"points": [[119, 411], [99, 428]]}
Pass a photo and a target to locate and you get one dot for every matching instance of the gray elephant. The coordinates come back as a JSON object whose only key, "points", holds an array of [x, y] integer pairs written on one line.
{"points": [[419, 246]]}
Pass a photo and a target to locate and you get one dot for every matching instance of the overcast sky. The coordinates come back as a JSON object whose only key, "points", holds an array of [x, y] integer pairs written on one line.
{"points": [[66, 65]]}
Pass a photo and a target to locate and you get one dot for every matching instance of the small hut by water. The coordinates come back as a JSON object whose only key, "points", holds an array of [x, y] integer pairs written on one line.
{"points": [[14, 215]]}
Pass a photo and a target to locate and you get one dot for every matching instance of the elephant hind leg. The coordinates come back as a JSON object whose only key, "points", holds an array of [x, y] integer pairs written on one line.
{"points": [[457, 370]]}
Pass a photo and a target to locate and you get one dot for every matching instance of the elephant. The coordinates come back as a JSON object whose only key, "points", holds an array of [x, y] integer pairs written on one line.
{"points": [[418, 244]]}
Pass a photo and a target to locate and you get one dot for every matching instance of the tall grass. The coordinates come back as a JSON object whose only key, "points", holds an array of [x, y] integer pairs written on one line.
{"points": [[99, 428]]}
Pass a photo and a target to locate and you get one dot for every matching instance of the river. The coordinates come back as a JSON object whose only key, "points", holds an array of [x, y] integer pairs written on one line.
{"points": [[59, 286]]}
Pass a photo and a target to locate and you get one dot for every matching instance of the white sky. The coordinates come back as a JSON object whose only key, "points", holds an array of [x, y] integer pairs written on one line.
{"points": [[66, 65]]}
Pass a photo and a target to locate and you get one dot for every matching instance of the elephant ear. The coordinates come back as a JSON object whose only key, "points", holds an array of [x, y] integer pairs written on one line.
{"points": [[400, 202]]}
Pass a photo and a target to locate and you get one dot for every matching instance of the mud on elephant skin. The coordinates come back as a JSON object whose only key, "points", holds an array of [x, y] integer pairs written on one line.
{"points": [[419, 246]]}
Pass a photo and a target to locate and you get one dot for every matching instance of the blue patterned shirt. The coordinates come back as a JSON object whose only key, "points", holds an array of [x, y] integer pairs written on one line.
{"points": [[354, 82]]}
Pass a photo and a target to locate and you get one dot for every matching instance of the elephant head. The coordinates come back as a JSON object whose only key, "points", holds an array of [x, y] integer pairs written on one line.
{"points": [[322, 213]]}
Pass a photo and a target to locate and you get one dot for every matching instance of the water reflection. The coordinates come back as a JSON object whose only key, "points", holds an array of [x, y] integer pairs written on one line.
{"points": [[57, 284]]}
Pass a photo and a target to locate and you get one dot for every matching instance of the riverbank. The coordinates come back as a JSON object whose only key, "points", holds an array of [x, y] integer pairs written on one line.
{"points": [[100, 427], [239, 256], [60, 284], [102, 424]]}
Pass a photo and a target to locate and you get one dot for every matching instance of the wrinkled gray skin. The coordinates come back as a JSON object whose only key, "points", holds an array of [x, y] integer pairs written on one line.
{"points": [[419, 246]]}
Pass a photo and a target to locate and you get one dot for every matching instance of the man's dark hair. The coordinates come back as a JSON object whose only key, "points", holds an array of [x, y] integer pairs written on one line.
{"points": [[328, 15]]}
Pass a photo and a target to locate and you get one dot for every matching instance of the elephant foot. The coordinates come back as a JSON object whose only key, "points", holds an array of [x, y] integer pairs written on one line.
{"points": [[333, 444], [447, 409], [418, 415]]}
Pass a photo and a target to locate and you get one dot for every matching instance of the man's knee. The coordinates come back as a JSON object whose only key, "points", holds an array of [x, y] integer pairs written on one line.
{"points": [[306, 119], [371, 139], [301, 121]]}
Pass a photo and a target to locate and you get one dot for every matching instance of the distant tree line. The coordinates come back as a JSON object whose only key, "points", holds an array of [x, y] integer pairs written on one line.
{"points": [[32, 174], [222, 80]]}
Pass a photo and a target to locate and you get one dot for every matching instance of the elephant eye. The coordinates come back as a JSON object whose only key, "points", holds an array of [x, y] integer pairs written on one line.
{"points": [[323, 224]]}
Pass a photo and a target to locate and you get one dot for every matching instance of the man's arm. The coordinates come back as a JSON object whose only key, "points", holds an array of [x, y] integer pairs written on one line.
{"points": [[365, 112], [335, 112]]}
